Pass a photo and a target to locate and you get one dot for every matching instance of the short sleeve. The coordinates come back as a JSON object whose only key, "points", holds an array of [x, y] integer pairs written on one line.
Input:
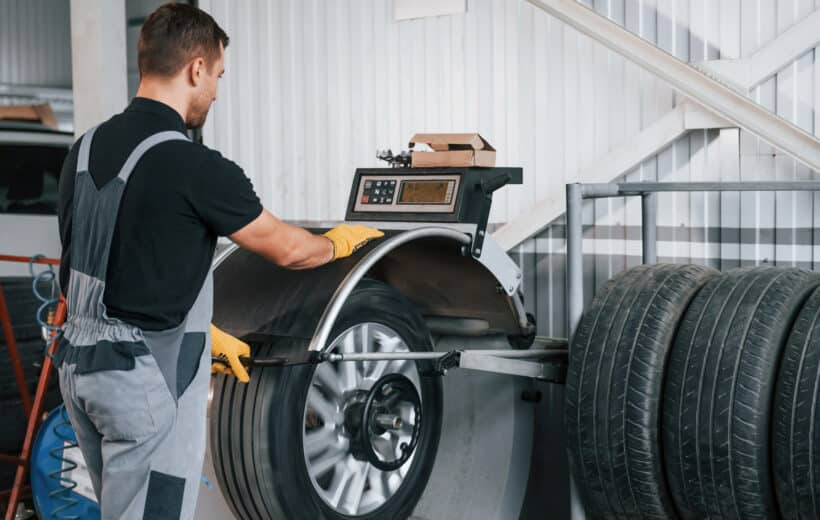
{"points": [[223, 196]]}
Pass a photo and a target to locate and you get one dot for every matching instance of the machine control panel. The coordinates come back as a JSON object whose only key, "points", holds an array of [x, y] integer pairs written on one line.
{"points": [[455, 195], [406, 193]]}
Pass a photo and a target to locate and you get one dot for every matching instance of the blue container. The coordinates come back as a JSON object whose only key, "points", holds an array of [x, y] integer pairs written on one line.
{"points": [[59, 480]]}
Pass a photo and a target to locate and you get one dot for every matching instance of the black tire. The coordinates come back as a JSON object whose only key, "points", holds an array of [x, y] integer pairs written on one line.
{"points": [[719, 391], [614, 386], [22, 307], [256, 429], [796, 427]]}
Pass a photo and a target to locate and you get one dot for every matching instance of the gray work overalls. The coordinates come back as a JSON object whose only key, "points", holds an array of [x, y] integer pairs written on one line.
{"points": [[136, 398]]}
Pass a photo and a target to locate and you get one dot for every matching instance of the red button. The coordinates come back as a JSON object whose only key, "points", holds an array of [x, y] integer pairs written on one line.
{"points": [[365, 199]]}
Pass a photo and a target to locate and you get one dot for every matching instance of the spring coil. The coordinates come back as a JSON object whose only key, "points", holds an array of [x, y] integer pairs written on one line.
{"points": [[63, 491]]}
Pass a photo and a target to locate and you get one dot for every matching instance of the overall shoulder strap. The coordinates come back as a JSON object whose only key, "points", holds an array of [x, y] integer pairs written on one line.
{"points": [[85, 150], [148, 143]]}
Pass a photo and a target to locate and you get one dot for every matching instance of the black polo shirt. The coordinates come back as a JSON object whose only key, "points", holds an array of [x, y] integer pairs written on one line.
{"points": [[180, 197]]}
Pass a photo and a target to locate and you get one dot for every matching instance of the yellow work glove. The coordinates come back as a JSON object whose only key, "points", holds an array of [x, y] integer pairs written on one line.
{"points": [[348, 239], [228, 350]]}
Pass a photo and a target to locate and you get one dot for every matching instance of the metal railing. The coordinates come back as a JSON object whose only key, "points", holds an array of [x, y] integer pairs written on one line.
{"points": [[577, 193]]}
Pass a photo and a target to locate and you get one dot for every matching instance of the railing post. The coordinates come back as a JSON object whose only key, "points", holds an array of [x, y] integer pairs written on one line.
{"points": [[649, 227], [575, 258], [575, 296]]}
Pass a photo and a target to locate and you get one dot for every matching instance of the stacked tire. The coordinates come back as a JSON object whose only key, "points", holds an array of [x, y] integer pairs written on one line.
{"points": [[692, 394]]}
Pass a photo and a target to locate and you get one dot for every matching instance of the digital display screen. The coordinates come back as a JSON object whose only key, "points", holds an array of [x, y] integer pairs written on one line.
{"points": [[424, 192]]}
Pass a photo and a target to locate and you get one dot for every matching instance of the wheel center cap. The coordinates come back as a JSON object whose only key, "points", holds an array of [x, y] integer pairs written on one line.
{"points": [[384, 424]]}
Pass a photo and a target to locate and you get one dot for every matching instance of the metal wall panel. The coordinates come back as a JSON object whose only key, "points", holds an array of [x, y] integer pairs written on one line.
{"points": [[35, 43], [313, 88]]}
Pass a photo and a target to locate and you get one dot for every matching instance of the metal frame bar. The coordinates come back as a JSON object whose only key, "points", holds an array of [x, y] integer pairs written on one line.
{"points": [[543, 365], [404, 356]]}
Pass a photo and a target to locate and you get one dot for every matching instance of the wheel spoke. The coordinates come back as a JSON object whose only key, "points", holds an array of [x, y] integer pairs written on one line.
{"points": [[329, 379], [349, 342], [401, 366], [325, 409], [385, 344], [355, 492], [350, 374], [392, 481], [377, 371], [339, 483], [366, 344], [326, 461], [317, 440], [377, 487], [366, 338]]}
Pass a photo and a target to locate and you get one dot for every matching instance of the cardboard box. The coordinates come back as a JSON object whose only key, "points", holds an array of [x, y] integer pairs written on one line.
{"points": [[452, 150], [41, 113]]}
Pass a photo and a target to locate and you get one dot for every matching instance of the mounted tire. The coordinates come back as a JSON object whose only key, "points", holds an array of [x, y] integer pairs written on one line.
{"points": [[719, 392], [614, 386], [796, 427], [281, 444]]}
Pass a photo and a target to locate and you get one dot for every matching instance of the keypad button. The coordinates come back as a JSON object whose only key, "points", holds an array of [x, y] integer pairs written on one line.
{"points": [[365, 199]]}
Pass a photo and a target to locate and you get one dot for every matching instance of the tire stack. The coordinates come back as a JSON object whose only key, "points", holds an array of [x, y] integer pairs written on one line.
{"points": [[693, 394], [22, 307]]}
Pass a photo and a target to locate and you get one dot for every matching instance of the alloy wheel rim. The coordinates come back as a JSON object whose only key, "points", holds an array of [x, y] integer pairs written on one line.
{"points": [[346, 484]]}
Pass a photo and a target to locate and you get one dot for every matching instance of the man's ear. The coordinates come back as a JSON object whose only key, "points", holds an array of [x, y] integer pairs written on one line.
{"points": [[196, 71]]}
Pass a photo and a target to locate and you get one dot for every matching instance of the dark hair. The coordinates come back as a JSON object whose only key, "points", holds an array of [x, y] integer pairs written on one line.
{"points": [[175, 34]]}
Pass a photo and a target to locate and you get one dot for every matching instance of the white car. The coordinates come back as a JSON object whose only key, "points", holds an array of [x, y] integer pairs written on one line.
{"points": [[31, 157]]}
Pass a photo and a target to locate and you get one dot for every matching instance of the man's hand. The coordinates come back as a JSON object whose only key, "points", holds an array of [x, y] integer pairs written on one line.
{"points": [[229, 349], [348, 239]]}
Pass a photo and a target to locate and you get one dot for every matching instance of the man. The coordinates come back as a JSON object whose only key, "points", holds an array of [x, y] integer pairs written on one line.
{"points": [[140, 211]]}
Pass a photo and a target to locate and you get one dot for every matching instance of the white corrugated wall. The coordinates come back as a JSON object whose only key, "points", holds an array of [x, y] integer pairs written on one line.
{"points": [[314, 87], [35, 43]]}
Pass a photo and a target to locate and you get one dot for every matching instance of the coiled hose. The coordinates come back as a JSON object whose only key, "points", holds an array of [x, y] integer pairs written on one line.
{"points": [[47, 303]]}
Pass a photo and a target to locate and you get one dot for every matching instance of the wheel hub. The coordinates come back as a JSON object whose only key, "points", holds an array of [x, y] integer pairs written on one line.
{"points": [[384, 424]]}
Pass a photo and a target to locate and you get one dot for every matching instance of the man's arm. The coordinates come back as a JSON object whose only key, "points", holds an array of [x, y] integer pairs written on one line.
{"points": [[228, 204], [285, 245]]}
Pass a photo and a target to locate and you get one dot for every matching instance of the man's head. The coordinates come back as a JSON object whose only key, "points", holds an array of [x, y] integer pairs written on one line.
{"points": [[182, 48]]}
